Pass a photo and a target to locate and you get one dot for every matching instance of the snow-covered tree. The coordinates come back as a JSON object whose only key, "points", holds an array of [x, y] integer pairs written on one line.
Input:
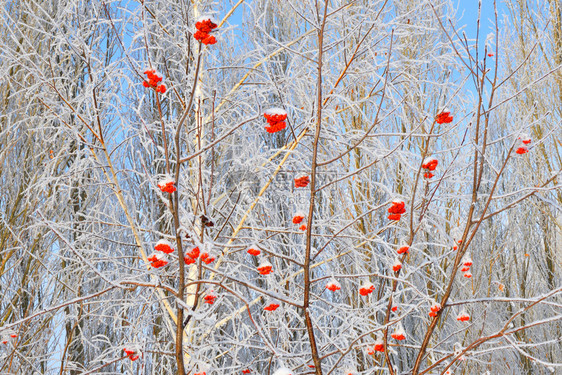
{"points": [[279, 187]]}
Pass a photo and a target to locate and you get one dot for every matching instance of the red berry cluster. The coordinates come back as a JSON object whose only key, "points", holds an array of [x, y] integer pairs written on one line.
{"points": [[276, 119], [366, 289], [397, 266], [167, 185], [164, 246], [207, 258], [396, 210], [403, 250], [192, 256], [157, 260], [210, 297], [466, 263], [379, 346], [272, 306], [522, 149], [444, 117], [399, 333], [204, 27], [333, 285], [153, 81], [8, 335], [265, 268], [429, 165], [253, 250], [463, 316], [435, 307], [298, 218], [302, 181], [131, 353]]}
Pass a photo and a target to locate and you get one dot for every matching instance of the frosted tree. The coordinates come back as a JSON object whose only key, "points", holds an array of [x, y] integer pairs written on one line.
{"points": [[279, 188]]}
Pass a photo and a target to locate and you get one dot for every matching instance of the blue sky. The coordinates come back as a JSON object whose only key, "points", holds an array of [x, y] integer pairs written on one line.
{"points": [[468, 9]]}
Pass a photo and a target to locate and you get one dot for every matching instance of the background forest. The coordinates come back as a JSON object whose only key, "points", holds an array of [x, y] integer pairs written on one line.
{"points": [[280, 187]]}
